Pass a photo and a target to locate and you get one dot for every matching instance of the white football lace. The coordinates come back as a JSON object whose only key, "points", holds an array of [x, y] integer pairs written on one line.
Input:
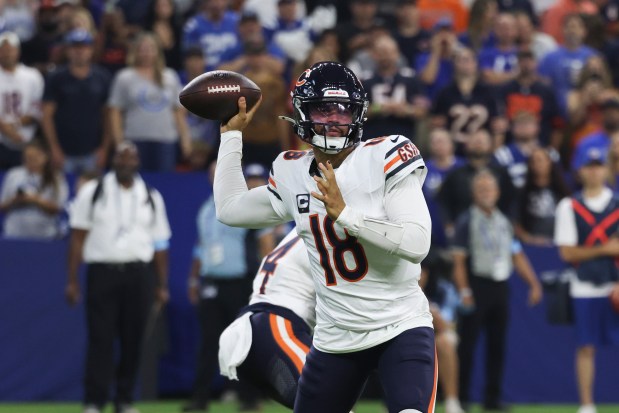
{"points": [[224, 88]]}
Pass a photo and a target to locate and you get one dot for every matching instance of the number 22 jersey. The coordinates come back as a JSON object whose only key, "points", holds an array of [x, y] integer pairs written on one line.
{"points": [[364, 295]]}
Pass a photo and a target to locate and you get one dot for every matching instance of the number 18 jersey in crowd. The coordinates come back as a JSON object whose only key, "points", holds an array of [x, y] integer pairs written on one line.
{"points": [[364, 296]]}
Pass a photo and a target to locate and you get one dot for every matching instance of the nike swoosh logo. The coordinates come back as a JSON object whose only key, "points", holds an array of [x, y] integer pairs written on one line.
{"points": [[394, 140]]}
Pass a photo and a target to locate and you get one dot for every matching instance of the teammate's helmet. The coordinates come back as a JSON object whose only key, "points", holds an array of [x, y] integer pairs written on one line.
{"points": [[330, 91]]}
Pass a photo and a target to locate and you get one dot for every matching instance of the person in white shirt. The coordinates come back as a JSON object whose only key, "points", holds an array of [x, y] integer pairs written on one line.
{"points": [[21, 90], [586, 234], [361, 213], [119, 228]]}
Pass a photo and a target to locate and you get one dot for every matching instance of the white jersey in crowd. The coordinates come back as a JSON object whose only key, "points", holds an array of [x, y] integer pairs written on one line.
{"points": [[21, 92], [364, 296], [284, 279]]}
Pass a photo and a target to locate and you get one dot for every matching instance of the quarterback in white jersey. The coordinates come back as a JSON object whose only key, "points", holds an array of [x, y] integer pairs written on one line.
{"points": [[360, 210], [21, 90], [269, 341]]}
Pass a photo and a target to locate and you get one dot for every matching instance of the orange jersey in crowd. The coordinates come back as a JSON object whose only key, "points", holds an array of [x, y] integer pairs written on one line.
{"points": [[430, 11]]}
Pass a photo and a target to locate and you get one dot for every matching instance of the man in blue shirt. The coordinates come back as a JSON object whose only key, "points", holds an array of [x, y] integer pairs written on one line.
{"points": [[562, 67], [213, 29]]}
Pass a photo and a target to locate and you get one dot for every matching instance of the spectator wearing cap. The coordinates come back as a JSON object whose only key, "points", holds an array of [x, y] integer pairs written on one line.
{"points": [[527, 93], [599, 140], [251, 40], [586, 234], [21, 88], [144, 106], [119, 228], [498, 63], [219, 284], [411, 37], [74, 111], [435, 67], [214, 29]]}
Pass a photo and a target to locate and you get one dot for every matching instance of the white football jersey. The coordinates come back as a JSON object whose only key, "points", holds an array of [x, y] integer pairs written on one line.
{"points": [[284, 279], [364, 296], [21, 92]]}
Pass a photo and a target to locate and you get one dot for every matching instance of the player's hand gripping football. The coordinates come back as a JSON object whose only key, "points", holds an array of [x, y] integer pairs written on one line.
{"points": [[330, 193], [241, 119]]}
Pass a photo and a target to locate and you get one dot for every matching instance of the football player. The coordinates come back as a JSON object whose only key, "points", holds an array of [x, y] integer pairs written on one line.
{"points": [[361, 213], [268, 342]]}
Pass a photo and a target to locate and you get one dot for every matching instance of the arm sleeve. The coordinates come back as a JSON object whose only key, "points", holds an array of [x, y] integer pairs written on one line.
{"points": [[80, 212], [407, 231], [566, 233], [117, 94], [235, 204]]}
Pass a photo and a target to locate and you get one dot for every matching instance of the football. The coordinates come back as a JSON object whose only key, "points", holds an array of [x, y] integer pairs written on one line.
{"points": [[215, 95]]}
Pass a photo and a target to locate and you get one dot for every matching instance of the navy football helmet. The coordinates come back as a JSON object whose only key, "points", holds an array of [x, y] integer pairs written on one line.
{"points": [[329, 95]]}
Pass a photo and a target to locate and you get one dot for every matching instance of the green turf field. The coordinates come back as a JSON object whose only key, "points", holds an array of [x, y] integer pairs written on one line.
{"points": [[174, 407]]}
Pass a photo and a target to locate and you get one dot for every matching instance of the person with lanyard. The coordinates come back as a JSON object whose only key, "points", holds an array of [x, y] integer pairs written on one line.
{"points": [[586, 228], [220, 282], [484, 253], [119, 228]]}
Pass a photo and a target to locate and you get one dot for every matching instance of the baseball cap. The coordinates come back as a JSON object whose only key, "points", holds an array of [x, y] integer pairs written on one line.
{"points": [[254, 170], [249, 15], [9, 37], [79, 36], [592, 156]]}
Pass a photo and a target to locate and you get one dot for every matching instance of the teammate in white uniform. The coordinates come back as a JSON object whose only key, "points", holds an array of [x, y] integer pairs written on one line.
{"points": [[21, 90], [269, 341], [366, 227]]}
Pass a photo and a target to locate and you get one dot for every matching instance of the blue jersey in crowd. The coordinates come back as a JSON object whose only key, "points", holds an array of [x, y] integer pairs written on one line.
{"points": [[497, 60], [214, 38]]}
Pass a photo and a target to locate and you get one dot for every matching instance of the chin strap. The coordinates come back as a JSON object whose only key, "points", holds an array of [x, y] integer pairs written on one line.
{"points": [[286, 118]]}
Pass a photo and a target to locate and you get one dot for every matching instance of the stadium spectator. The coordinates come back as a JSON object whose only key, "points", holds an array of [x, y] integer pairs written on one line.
{"points": [[81, 18], [525, 139], [435, 67], [214, 29], [113, 41], [498, 62], [441, 161], [33, 196], [562, 67], [586, 234], [479, 31], [250, 34], [529, 38], [163, 20], [544, 187], [21, 88], [398, 100], [411, 37], [144, 106], [613, 162], [74, 112], [455, 197], [120, 230], [363, 63], [431, 11], [467, 105], [484, 253], [553, 20], [527, 93], [219, 284], [355, 35], [584, 102], [601, 139]]}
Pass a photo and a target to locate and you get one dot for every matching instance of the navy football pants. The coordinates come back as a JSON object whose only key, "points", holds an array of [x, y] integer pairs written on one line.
{"points": [[406, 365]]}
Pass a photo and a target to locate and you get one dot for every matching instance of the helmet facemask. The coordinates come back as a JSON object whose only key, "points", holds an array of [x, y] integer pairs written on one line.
{"points": [[329, 125]]}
